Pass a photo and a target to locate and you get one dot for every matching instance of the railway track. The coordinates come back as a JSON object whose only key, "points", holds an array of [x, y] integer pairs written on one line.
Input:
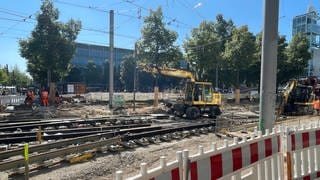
{"points": [[103, 139], [19, 137], [69, 123], [42, 155]]}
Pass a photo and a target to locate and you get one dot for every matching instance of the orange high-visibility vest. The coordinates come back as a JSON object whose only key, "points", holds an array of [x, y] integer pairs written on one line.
{"points": [[44, 94], [316, 104]]}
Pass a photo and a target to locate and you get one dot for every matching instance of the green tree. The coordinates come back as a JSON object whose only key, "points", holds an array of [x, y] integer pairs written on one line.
{"points": [[3, 76], [252, 73], [298, 55], [157, 43], [18, 78], [239, 51], [223, 29], [282, 58], [51, 46], [127, 68], [203, 49]]}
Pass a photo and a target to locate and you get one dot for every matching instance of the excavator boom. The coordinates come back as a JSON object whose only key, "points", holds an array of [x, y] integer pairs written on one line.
{"points": [[177, 73], [180, 73]]}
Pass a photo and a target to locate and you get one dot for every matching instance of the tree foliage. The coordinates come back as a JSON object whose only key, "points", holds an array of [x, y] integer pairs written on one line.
{"points": [[14, 76], [157, 43], [202, 49], [282, 58], [51, 45], [127, 68], [298, 55], [18, 78], [206, 45], [3, 76], [239, 51]]}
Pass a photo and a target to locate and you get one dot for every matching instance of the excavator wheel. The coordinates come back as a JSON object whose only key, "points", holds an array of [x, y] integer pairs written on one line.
{"points": [[214, 112], [192, 113], [178, 110]]}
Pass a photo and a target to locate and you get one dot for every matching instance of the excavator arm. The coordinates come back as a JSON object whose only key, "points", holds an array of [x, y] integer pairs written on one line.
{"points": [[177, 73], [180, 73]]}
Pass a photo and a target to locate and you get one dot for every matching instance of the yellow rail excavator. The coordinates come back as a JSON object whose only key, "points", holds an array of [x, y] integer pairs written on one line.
{"points": [[199, 97], [297, 96]]}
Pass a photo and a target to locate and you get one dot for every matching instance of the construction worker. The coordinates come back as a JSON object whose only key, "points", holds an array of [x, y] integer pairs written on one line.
{"points": [[30, 98], [57, 97], [316, 105], [44, 97]]}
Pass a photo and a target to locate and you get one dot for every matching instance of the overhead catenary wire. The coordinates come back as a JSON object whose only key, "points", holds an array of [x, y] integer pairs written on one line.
{"points": [[122, 14], [186, 6], [208, 44], [24, 20], [170, 18]]}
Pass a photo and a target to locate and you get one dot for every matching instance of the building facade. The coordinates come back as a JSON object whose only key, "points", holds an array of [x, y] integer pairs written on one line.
{"points": [[308, 24], [98, 54]]}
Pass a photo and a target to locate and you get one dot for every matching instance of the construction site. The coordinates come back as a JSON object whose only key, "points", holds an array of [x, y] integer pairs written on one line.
{"points": [[225, 102], [82, 138]]}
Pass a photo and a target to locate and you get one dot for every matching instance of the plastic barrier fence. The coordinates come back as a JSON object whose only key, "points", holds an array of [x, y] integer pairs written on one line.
{"points": [[11, 100], [165, 171], [303, 152], [257, 158]]}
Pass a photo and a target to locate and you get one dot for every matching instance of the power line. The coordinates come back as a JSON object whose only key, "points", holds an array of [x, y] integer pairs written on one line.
{"points": [[96, 9], [16, 20], [184, 5], [83, 28], [170, 18], [208, 44], [81, 6], [107, 32]]}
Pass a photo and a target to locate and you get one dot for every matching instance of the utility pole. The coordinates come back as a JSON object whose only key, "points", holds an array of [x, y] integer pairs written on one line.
{"points": [[269, 64], [111, 35], [217, 79], [135, 76]]}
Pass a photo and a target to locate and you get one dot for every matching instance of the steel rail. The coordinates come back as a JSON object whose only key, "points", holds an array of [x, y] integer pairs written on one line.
{"points": [[165, 131], [29, 126], [79, 140], [84, 129], [13, 164]]}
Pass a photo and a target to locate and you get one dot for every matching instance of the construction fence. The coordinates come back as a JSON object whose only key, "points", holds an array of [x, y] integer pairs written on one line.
{"points": [[11, 100], [284, 153]]}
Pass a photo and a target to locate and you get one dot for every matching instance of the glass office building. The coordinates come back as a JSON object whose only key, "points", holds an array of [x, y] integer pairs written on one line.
{"points": [[98, 54], [308, 24]]}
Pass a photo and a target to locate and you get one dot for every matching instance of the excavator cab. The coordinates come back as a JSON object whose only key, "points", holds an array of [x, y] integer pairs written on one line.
{"points": [[199, 99], [201, 93]]}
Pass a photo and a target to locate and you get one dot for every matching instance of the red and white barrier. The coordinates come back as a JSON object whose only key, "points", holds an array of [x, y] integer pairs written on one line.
{"points": [[303, 152], [166, 171], [257, 158], [261, 155]]}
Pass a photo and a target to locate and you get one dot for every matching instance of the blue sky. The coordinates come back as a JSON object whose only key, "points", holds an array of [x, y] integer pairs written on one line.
{"points": [[180, 15]]}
